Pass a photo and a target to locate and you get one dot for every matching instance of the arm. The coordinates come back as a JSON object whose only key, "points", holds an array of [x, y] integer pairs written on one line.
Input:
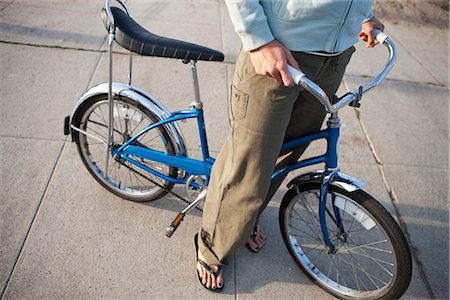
{"points": [[269, 57], [250, 22]]}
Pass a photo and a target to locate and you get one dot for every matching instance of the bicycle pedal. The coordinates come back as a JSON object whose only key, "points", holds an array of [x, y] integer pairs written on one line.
{"points": [[170, 230]]}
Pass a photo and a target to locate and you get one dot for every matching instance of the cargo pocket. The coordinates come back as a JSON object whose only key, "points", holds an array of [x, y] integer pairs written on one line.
{"points": [[239, 102]]}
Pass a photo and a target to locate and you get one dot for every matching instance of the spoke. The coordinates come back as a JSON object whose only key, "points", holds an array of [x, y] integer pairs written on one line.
{"points": [[142, 183], [378, 262], [131, 175], [148, 142], [354, 274], [311, 228], [308, 233], [96, 132], [100, 114], [368, 246], [319, 252], [97, 144], [118, 117], [137, 123], [331, 265], [318, 247], [371, 277], [103, 115], [91, 122], [349, 228], [312, 216], [315, 230]]}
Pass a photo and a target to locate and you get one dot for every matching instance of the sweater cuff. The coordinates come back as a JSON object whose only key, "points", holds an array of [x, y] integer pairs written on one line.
{"points": [[256, 37], [369, 17]]}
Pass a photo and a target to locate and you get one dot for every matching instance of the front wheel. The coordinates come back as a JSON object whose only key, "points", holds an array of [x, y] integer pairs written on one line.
{"points": [[372, 258]]}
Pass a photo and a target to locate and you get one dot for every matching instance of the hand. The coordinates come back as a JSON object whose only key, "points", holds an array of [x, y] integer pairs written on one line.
{"points": [[367, 32], [271, 60]]}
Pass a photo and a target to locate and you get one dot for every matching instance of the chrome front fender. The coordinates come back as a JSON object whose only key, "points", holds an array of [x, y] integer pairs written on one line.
{"points": [[141, 97], [342, 180]]}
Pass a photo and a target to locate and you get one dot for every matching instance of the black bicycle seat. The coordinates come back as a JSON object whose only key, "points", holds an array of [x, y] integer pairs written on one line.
{"points": [[135, 38]]}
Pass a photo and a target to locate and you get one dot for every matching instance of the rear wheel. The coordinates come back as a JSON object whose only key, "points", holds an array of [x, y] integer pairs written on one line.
{"points": [[372, 258], [117, 175]]}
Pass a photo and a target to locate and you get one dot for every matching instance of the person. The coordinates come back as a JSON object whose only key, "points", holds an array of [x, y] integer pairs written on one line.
{"points": [[266, 109]]}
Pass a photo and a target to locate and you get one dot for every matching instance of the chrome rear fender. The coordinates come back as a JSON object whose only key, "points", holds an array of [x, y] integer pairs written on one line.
{"points": [[141, 97]]}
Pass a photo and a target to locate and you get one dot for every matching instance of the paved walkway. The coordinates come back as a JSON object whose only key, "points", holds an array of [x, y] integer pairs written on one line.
{"points": [[63, 236]]}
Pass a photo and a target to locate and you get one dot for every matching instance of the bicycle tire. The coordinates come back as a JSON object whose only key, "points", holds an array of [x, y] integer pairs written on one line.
{"points": [[372, 259], [123, 178]]}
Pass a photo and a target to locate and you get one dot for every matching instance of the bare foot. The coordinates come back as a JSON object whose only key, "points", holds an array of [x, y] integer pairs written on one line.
{"points": [[211, 275]]}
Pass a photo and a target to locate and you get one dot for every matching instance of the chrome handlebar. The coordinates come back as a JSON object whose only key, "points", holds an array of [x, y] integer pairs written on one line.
{"points": [[354, 95]]}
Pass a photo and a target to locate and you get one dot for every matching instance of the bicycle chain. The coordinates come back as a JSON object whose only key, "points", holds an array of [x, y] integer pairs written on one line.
{"points": [[157, 184]]}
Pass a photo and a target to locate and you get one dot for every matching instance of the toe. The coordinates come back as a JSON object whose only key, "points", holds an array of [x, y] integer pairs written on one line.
{"points": [[261, 233], [260, 241], [220, 281], [253, 245]]}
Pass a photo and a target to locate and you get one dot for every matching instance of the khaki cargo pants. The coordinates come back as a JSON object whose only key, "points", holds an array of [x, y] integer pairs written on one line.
{"points": [[263, 114]]}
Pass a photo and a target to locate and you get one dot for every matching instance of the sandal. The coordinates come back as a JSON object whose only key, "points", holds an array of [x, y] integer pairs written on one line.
{"points": [[207, 268], [254, 236]]}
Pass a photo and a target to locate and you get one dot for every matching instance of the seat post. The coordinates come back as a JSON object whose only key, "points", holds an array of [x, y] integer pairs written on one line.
{"points": [[130, 69], [198, 103]]}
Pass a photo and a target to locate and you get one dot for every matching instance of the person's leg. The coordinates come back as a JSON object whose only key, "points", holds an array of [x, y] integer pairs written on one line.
{"points": [[240, 179], [308, 113]]}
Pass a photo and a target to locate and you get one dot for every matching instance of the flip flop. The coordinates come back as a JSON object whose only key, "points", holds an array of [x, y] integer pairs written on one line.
{"points": [[254, 236], [207, 268]]}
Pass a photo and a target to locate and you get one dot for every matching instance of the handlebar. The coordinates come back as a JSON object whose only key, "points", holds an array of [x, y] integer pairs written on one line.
{"points": [[354, 95]]}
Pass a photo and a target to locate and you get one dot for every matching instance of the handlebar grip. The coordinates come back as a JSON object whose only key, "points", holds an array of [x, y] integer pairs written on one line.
{"points": [[380, 36], [295, 74]]}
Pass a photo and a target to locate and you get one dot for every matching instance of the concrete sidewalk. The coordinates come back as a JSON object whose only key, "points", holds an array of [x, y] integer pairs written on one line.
{"points": [[63, 236]]}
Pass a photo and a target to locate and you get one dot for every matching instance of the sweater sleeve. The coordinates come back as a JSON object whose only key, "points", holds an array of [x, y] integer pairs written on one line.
{"points": [[250, 22], [369, 16]]}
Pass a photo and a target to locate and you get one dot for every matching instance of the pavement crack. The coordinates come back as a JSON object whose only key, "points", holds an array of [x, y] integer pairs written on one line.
{"points": [[434, 84], [57, 47], [418, 61], [6, 6], [235, 277], [33, 138], [395, 203], [2, 296]]}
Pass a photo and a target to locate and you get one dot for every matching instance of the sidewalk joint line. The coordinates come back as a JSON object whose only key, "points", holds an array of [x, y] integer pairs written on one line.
{"points": [[32, 138], [434, 84], [58, 47], [7, 5], [32, 222], [235, 276], [418, 61], [97, 64], [395, 202]]}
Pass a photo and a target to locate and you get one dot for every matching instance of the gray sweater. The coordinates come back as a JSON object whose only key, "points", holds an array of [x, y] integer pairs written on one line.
{"points": [[300, 25]]}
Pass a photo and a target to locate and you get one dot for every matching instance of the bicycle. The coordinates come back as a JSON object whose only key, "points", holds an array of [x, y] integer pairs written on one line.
{"points": [[340, 236]]}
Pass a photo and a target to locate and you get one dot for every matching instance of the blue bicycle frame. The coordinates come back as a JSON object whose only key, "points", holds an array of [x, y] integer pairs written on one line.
{"points": [[131, 151], [203, 167]]}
